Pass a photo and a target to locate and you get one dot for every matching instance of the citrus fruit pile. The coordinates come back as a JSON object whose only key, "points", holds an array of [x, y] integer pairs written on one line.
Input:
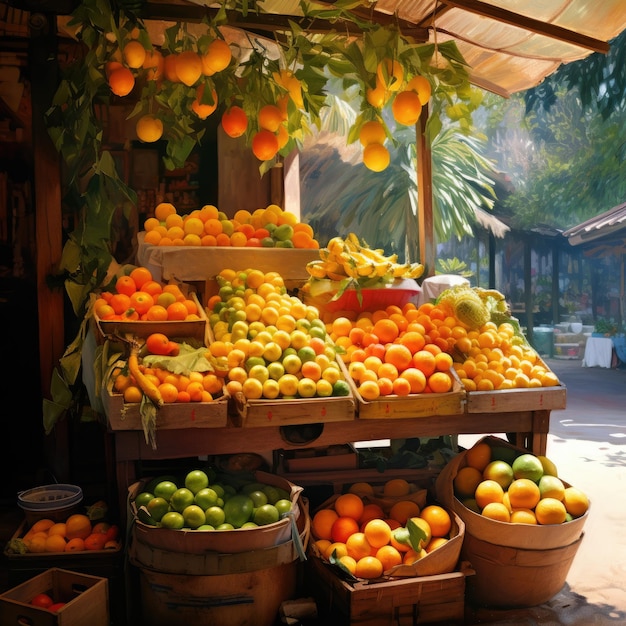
{"points": [[273, 344], [136, 296], [200, 501], [76, 534], [508, 486], [269, 227], [410, 349], [367, 540], [192, 377]]}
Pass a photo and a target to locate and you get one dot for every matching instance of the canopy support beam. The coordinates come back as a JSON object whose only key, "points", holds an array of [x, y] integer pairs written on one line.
{"points": [[425, 221]]}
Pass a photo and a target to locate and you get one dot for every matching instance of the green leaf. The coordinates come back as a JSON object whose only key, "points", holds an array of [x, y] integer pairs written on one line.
{"points": [[417, 537]]}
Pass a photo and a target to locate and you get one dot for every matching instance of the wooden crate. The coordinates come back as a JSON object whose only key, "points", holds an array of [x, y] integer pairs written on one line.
{"points": [[174, 329], [283, 412], [87, 599], [171, 416], [188, 263], [537, 399], [107, 564], [413, 405], [420, 600]]}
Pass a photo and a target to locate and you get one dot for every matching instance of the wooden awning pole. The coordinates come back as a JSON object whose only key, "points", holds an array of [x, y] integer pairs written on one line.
{"points": [[425, 222]]}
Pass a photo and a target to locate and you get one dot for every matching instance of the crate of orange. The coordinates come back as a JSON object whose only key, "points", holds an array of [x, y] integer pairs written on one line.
{"points": [[394, 370], [136, 303], [385, 554], [76, 543]]}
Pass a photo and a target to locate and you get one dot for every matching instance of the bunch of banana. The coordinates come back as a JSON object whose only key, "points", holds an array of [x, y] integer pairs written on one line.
{"points": [[352, 258]]}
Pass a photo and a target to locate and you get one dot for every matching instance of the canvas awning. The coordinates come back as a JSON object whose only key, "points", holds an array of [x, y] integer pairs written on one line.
{"points": [[509, 45]]}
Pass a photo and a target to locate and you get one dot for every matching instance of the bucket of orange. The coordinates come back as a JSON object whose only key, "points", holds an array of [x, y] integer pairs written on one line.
{"points": [[524, 524]]}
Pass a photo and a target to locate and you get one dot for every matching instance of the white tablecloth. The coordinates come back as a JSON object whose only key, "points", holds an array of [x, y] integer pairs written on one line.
{"points": [[598, 352]]}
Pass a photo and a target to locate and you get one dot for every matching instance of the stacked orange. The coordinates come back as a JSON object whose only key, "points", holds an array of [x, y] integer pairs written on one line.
{"points": [[75, 534], [369, 541], [136, 296], [398, 350], [264, 227]]}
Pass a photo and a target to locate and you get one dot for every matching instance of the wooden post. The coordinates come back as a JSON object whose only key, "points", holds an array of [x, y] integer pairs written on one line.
{"points": [[425, 222], [48, 222]]}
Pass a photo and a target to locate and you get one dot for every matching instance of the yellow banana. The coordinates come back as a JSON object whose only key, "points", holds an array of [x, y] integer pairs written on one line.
{"points": [[316, 269]]}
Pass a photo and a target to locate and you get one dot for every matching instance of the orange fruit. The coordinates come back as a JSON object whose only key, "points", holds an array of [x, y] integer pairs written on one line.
{"points": [[377, 532], [576, 502], [265, 145], [488, 491], [402, 510], [343, 527], [424, 360], [398, 355], [390, 74], [234, 121], [125, 285], [350, 505], [358, 546], [523, 516], [368, 567], [121, 81], [500, 471], [335, 549], [371, 510], [478, 456], [322, 523], [188, 67], [270, 117], [201, 108], [55, 543], [415, 377], [389, 557], [440, 382], [406, 108], [77, 525], [422, 86], [438, 519], [550, 511], [372, 132], [376, 157], [134, 54], [216, 58], [523, 493], [75, 545], [396, 487], [153, 64], [496, 511]]}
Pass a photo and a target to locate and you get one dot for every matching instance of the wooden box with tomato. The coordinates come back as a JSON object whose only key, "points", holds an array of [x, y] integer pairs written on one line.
{"points": [[80, 599]]}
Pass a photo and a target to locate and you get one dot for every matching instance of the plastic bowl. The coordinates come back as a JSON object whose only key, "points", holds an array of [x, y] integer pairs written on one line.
{"points": [[56, 502]]}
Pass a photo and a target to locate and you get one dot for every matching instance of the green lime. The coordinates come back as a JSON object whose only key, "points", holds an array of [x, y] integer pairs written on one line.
{"points": [[214, 516], [238, 509], [258, 497], [272, 493], [165, 489], [225, 526], [266, 514], [250, 525], [341, 388], [158, 507], [283, 506], [181, 499], [173, 519], [143, 498]]}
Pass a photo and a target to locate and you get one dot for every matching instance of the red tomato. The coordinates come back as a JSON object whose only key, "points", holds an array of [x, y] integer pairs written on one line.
{"points": [[42, 600], [57, 606]]}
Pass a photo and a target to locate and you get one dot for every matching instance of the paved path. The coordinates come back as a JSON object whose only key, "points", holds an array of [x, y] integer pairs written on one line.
{"points": [[587, 441]]}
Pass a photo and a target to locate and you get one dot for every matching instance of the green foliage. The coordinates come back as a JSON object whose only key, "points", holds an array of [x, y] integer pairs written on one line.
{"points": [[453, 266]]}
